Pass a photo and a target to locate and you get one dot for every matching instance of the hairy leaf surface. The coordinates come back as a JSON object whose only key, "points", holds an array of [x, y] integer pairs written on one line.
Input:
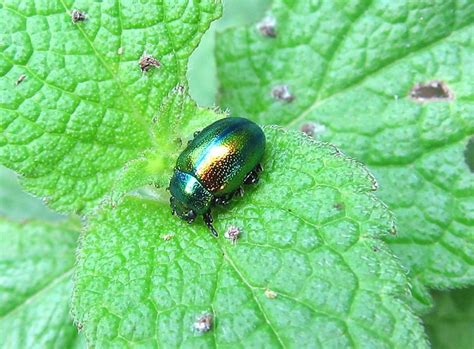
{"points": [[309, 269]]}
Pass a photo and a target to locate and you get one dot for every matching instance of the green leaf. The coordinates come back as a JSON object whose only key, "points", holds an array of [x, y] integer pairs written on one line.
{"points": [[309, 269], [349, 69], [451, 324], [82, 107], [36, 266]]}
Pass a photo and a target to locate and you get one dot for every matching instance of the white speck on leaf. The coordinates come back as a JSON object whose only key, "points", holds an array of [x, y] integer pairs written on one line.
{"points": [[179, 89], [20, 79], [203, 323], [232, 234], [282, 93], [78, 16], [312, 129], [167, 237], [267, 27], [270, 294]]}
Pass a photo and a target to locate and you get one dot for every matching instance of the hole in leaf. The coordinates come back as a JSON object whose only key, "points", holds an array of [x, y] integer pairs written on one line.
{"points": [[469, 154], [167, 237], [431, 91]]}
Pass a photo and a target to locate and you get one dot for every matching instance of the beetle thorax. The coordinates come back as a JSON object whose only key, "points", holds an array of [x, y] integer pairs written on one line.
{"points": [[189, 194]]}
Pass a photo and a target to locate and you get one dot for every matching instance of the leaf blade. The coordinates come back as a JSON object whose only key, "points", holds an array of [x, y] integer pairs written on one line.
{"points": [[84, 108], [292, 243], [36, 265]]}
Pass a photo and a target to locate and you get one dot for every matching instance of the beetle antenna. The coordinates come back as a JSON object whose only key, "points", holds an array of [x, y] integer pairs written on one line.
{"points": [[208, 220]]}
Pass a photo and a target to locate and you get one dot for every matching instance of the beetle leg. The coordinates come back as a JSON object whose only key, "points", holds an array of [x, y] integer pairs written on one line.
{"points": [[223, 200], [251, 178], [239, 191], [190, 216], [173, 207], [208, 220]]}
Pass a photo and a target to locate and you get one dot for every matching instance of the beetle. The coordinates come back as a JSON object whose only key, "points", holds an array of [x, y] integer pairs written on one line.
{"points": [[213, 167]]}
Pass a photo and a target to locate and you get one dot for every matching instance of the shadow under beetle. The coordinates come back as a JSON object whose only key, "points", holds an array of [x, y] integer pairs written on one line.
{"points": [[213, 167]]}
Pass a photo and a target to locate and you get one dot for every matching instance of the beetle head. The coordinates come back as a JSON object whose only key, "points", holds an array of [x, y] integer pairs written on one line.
{"points": [[188, 197], [182, 211]]}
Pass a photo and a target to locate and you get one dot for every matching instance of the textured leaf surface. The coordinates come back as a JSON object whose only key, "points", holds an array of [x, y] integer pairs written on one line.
{"points": [[84, 106], [310, 233], [36, 263], [350, 67], [451, 324]]}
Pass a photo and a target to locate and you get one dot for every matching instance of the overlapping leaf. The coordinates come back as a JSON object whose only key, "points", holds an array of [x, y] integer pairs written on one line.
{"points": [[74, 103], [36, 264], [346, 72]]}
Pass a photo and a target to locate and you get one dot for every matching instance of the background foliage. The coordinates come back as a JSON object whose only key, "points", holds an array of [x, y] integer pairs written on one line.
{"points": [[451, 316]]}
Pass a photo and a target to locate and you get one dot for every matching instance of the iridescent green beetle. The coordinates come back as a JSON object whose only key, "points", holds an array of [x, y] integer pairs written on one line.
{"points": [[213, 167]]}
